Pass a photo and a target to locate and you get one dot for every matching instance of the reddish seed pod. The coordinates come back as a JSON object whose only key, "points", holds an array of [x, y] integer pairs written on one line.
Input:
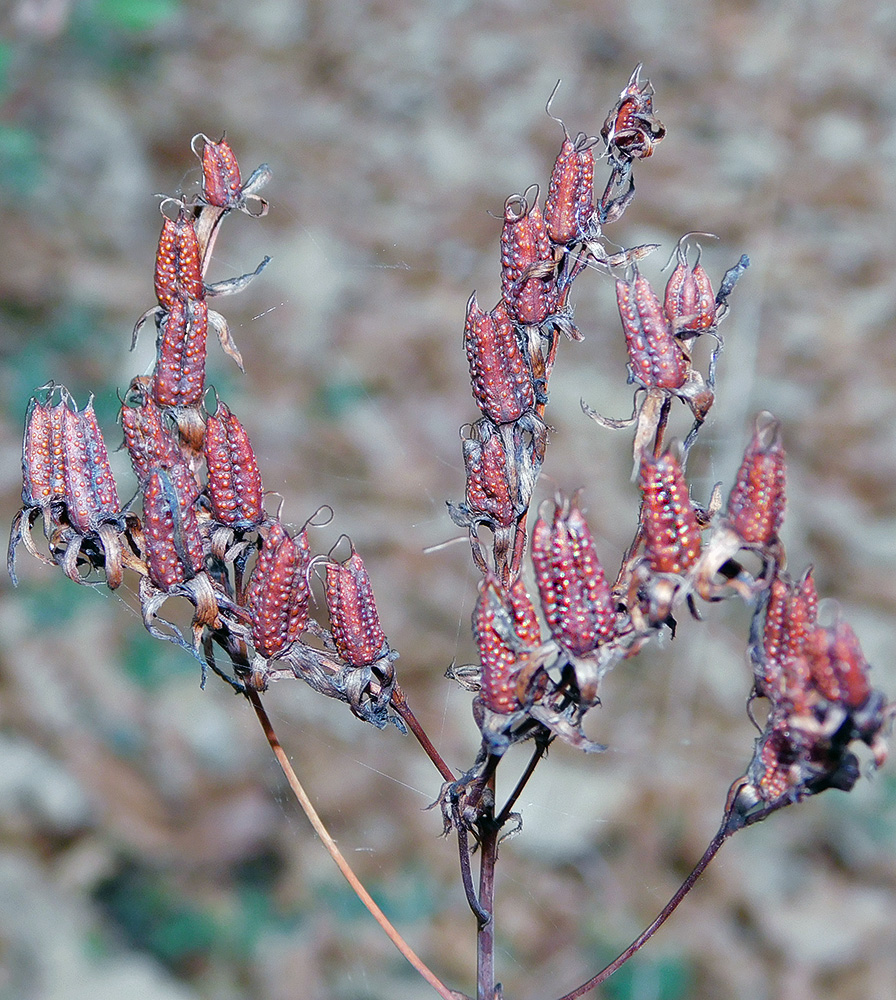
{"points": [[179, 375], [757, 500], [43, 478], [354, 620], [222, 185], [838, 666], [657, 358], [569, 205], [689, 303], [632, 129], [528, 274], [234, 482], [790, 615], [278, 594], [671, 531], [504, 626], [502, 383], [488, 489], [173, 541], [575, 596], [146, 437], [91, 495], [178, 262]]}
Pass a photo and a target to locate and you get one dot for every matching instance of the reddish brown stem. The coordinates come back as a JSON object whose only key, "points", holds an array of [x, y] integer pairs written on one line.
{"points": [[401, 706]]}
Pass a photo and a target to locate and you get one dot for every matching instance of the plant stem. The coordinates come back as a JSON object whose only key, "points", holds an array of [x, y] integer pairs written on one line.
{"points": [[334, 852], [485, 941], [540, 750], [401, 706]]}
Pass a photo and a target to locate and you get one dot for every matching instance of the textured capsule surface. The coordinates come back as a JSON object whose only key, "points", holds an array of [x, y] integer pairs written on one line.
{"points": [[656, 357], [179, 375], [354, 621], [671, 531], [222, 185], [234, 482], [575, 596], [174, 551], [757, 500], [147, 439], [278, 594], [502, 383], [488, 490], [689, 301], [528, 278], [569, 205], [91, 495], [505, 626], [178, 273], [43, 475]]}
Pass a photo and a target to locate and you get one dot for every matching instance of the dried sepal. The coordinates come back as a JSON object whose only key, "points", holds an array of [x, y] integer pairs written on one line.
{"points": [[575, 597], [278, 594], [235, 489], [147, 438], [179, 375], [528, 271], [354, 621], [756, 503], [632, 130], [174, 550], [502, 382]]}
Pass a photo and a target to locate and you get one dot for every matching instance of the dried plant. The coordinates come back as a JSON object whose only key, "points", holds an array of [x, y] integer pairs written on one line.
{"points": [[202, 528]]}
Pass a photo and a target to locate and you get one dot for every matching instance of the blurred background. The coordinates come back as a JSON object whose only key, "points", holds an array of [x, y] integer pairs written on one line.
{"points": [[148, 848]]}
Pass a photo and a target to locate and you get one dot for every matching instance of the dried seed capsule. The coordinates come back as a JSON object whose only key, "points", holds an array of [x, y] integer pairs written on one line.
{"points": [[488, 489], [790, 615], [502, 383], [837, 665], [91, 495], [671, 531], [222, 184], [179, 375], [569, 205], [632, 129], [657, 358], [146, 437], [174, 550], [528, 273], [354, 621], [178, 261], [43, 477], [757, 500], [278, 594], [504, 626], [689, 303], [234, 482], [575, 596]]}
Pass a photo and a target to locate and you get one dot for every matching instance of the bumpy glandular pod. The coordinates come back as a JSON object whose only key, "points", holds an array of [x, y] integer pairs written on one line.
{"points": [[632, 129], [146, 437], [575, 596], [278, 594], [178, 272], [657, 358], [234, 482], [504, 626], [43, 477], [222, 184], [528, 276], [173, 542], [488, 490], [91, 495], [502, 383], [671, 531], [790, 615], [689, 301], [837, 665], [757, 500], [179, 375], [569, 205], [354, 621]]}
